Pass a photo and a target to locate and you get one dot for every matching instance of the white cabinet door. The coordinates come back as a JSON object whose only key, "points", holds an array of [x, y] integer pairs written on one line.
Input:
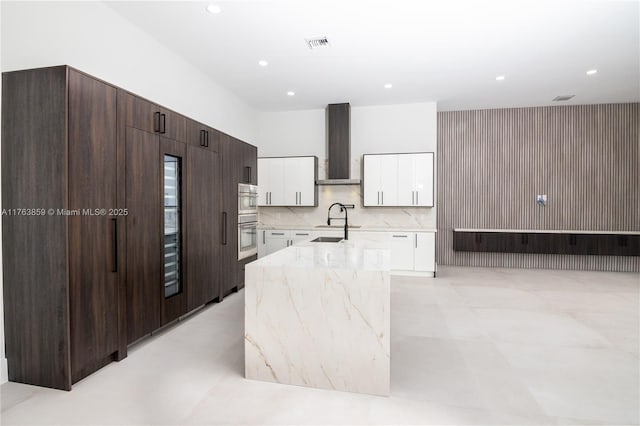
{"points": [[299, 181], [264, 184], [415, 179], [425, 251], [371, 179], [422, 170], [380, 180], [276, 240], [271, 178], [406, 181], [262, 243], [402, 251], [301, 235]]}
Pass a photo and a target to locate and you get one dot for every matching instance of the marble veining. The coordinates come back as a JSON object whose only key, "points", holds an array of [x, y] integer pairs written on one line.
{"points": [[371, 217], [318, 315]]}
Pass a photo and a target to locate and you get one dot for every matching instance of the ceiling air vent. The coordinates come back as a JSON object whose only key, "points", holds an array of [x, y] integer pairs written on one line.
{"points": [[317, 42], [563, 98]]}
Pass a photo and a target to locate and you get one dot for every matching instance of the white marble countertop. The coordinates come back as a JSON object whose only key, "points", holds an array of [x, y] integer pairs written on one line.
{"points": [[349, 255], [340, 227], [547, 231]]}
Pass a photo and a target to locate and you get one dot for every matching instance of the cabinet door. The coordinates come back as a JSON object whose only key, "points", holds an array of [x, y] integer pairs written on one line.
{"points": [[249, 164], [276, 240], [143, 232], [139, 113], [425, 251], [93, 268], [422, 171], [172, 125], [299, 182], [372, 165], [381, 180], [203, 230], [301, 235], [231, 164], [262, 243], [402, 246], [263, 178], [274, 181], [406, 181]]}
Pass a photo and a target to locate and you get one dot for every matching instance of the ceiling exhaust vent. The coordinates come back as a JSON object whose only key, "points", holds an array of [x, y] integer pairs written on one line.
{"points": [[562, 98], [317, 42]]}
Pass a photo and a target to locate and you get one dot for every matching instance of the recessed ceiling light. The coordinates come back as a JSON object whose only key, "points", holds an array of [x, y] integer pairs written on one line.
{"points": [[215, 9], [500, 78], [592, 72], [290, 93], [388, 86], [263, 63]]}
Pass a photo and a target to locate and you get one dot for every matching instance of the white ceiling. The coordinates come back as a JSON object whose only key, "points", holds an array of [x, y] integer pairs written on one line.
{"points": [[444, 51]]}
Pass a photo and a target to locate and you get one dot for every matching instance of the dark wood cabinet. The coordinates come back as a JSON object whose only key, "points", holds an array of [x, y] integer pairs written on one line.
{"points": [[143, 233], [239, 166], [150, 117], [88, 230], [203, 213], [604, 244], [60, 263]]}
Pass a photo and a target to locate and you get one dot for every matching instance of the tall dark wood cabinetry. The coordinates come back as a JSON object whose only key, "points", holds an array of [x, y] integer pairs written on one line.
{"points": [[239, 166], [203, 215], [60, 265], [112, 222]]}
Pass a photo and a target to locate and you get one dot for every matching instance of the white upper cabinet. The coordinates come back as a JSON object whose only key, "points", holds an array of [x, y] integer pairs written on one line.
{"points": [[401, 180], [287, 181], [380, 180]]}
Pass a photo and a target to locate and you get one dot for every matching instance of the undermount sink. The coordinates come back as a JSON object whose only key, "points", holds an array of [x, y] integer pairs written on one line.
{"points": [[327, 240], [337, 226]]}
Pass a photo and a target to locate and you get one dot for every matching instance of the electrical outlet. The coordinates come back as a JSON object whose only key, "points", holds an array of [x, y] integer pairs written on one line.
{"points": [[541, 200]]}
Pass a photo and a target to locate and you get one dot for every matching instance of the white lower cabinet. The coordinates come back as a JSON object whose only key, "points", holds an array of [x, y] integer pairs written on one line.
{"points": [[410, 251], [402, 251], [272, 240], [424, 254], [276, 240]]}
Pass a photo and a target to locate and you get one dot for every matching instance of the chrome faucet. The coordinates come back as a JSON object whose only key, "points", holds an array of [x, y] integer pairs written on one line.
{"points": [[343, 208]]}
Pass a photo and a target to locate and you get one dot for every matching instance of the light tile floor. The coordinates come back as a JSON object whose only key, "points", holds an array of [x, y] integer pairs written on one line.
{"points": [[473, 346]]}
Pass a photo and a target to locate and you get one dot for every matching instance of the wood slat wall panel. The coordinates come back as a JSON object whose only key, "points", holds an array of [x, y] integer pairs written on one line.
{"points": [[493, 163]]}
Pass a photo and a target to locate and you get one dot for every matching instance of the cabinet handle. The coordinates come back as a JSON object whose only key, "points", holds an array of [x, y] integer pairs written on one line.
{"points": [[156, 121], [207, 137], [202, 137], [399, 236], [264, 241], [277, 233], [247, 174], [224, 228], [378, 197], [114, 267], [382, 192], [417, 200], [164, 123], [302, 234], [416, 237], [413, 196]]}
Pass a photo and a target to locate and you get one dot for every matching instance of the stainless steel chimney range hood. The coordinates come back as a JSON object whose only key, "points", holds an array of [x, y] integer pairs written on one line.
{"points": [[338, 130]]}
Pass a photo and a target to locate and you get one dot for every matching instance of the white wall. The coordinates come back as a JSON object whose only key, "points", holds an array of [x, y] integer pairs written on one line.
{"points": [[374, 129], [93, 38]]}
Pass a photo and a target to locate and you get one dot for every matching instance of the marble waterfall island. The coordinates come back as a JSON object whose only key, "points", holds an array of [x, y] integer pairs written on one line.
{"points": [[317, 315]]}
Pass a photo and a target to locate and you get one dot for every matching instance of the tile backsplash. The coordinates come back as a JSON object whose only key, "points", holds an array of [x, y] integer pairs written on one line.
{"points": [[393, 217]]}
